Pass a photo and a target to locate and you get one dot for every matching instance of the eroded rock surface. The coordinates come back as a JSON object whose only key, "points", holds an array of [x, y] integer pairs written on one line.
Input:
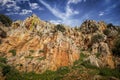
{"points": [[36, 45]]}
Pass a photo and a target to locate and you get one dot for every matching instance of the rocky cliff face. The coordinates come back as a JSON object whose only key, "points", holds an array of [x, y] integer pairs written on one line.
{"points": [[36, 45], [95, 43]]}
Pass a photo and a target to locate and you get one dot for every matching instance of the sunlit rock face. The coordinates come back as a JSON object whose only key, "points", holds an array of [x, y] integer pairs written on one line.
{"points": [[36, 45]]}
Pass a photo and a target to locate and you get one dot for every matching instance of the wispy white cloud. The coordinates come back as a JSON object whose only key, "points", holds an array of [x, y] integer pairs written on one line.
{"points": [[12, 8], [101, 13], [56, 21], [64, 17], [35, 6], [75, 1], [111, 7], [70, 11], [3, 2], [55, 11], [10, 5], [25, 11], [108, 9], [17, 8]]}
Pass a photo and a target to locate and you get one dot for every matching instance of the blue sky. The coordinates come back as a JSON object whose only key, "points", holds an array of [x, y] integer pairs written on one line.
{"points": [[69, 12]]}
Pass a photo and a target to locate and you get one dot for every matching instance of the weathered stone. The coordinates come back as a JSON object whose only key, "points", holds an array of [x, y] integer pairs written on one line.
{"points": [[38, 45]]}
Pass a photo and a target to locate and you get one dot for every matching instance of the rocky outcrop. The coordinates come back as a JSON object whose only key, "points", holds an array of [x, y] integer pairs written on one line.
{"points": [[36, 45], [103, 54], [39, 48], [96, 43]]}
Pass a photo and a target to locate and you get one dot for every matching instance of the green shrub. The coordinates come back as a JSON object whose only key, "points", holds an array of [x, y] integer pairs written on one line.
{"points": [[116, 49], [77, 28], [42, 58], [77, 63], [97, 55], [109, 72], [47, 75], [60, 28], [118, 30], [96, 38], [32, 51], [5, 20], [103, 71], [110, 25], [2, 34], [3, 60], [82, 56], [11, 73], [107, 32], [13, 51], [87, 64], [41, 51], [30, 57], [14, 74], [6, 70], [63, 70]]}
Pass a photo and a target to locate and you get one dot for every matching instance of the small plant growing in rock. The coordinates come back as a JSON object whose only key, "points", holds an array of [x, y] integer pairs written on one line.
{"points": [[42, 58], [3, 34], [118, 30], [6, 70], [32, 51], [97, 38], [107, 32], [60, 28], [116, 49], [3, 60], [82, 56], [30, 57], [63, 70], [97, 55], [13, 51], [41, 51]]}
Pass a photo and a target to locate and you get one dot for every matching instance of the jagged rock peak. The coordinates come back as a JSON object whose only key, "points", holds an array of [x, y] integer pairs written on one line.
{"points": [[33, 16], [91, 26]]}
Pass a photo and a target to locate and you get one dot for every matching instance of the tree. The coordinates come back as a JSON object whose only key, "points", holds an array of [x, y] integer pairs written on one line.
{"points": [[5, 20]]}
